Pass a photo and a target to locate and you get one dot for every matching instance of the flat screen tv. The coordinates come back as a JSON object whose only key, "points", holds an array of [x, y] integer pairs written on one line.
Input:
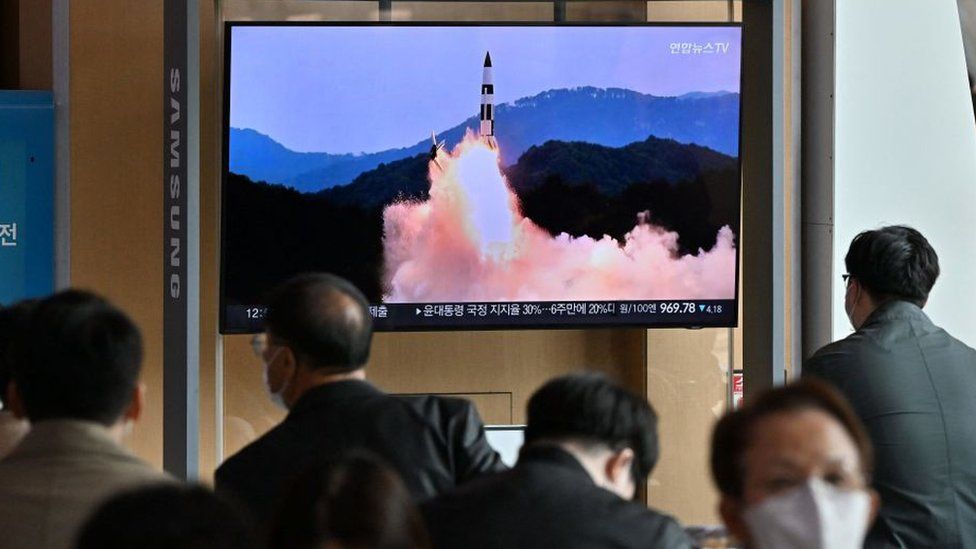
{"points": [[485, 176]]}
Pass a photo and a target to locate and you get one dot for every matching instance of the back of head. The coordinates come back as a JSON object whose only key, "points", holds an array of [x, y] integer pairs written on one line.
{"points": [[894, 262], [79, 358], [589, 408], [165, 517], [324, 319], [355, 503], [732, 436], [12, 321]]}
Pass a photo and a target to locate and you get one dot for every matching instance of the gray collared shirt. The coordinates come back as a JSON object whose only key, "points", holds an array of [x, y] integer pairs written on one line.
{"points": [[914, 387]]}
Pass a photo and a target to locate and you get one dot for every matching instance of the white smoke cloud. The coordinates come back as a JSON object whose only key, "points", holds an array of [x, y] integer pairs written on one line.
{"points": [[470, 242]]}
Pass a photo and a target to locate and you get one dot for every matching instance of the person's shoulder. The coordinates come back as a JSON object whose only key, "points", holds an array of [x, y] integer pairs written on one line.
{"points": [[129, 467], [846, 346], [476, 493], [641, 522], [252, 457], [437, 404], [842, 353], [958, 345], [606, 514], [665, 529], [444, 412], [492, 505], [500, 490]]}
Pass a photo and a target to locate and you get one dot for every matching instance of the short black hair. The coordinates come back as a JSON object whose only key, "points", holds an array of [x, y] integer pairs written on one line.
{"points": [[12, 321], [590, 408], [324, 319], [733, 434], [357, 500], [166, 516], [894, 262], [79, 358]]}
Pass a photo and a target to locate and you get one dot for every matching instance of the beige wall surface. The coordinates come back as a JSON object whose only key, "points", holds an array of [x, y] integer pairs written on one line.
{"points": [[210, 135], [687, 384], [116, 174]]}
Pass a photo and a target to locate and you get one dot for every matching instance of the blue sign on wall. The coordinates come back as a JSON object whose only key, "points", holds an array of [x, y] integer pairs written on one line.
{"points": [[26, 194]]}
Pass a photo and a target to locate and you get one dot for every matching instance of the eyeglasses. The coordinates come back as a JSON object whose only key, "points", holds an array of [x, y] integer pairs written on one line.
{"points": [[259, 344]]}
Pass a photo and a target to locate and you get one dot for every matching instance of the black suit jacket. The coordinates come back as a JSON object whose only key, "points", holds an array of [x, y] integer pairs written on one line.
{"points": [[547, 501], [434, 443], [914, 387]]}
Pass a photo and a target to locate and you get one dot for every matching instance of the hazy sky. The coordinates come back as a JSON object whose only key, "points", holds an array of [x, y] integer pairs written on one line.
{"points": [[366, 89]]}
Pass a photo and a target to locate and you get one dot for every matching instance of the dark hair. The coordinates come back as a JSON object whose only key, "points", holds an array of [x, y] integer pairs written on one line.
{"points": [[167, 516], [589, 408], [893, 262], [733, 434], [358, 501], [79, 358], [12, 321], [324, 319]]}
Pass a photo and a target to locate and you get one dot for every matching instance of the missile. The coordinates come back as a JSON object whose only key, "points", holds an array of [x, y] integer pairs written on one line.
{"points": [[487, 103]]}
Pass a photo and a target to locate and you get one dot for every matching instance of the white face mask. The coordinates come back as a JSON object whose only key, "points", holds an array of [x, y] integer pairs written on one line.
{"points": [[813, 516], [277, 397]]}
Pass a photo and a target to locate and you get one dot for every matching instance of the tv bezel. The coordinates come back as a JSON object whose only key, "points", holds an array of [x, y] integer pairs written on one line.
{"points": [[225, 170]]}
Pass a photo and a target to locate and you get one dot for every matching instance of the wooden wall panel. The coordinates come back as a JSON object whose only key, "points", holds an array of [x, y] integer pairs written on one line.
{"points": [[606, 11], [247, 410], [693, 10], [298, 10], [472, 11], [210, 166], [687, 385], [116, 174]]}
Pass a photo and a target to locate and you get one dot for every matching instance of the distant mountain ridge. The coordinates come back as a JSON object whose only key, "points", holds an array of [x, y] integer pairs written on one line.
{"points": [[611, 117], [608, 170], [611, 170]]}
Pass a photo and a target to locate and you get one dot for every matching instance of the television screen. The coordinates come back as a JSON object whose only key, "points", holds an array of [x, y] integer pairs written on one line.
{"points": [[485, 176]]}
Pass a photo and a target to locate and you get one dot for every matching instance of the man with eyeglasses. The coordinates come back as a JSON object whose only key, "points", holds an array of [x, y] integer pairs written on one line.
{"points": [[315, 347], [914, 387]]}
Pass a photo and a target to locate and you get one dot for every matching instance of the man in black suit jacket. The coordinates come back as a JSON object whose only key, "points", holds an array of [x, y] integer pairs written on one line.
{"points": [[318, 331], [587, 443], [914, 387]]}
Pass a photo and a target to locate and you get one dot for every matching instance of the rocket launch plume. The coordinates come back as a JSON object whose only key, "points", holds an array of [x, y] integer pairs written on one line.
{"points": [[469, 242]]}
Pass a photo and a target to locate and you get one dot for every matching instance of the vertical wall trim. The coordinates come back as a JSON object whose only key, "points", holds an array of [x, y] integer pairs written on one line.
{"points": [[181, 227], [817, 186], [764, 208], [61, 58], [219, 401], [193, 238], [758, 360], [778, 205], [796, 150], [217, 104]]}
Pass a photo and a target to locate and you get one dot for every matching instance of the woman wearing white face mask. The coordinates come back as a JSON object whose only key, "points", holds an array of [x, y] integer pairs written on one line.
{"points": [[792, 468]]}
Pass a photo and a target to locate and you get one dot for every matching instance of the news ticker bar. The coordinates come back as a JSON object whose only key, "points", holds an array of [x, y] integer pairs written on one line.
{"points": [[406, 316]]}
